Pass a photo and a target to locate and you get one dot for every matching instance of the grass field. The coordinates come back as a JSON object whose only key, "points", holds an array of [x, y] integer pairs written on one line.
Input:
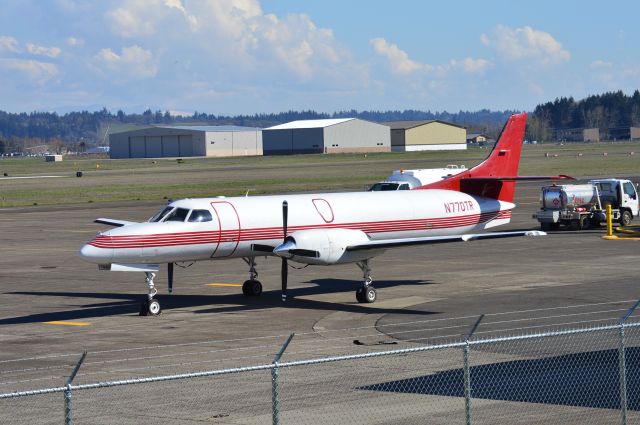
{"points": [[146, 179]]}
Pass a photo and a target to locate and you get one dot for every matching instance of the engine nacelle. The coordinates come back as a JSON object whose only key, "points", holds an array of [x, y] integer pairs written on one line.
{"points": [[330, 244]]}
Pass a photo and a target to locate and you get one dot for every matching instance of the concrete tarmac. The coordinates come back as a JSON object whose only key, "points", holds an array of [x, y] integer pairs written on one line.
{"points": [[53, 305]]}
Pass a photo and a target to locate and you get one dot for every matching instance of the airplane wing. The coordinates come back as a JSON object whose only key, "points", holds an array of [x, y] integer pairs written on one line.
{"points": [[112, 222], [393, 243]]}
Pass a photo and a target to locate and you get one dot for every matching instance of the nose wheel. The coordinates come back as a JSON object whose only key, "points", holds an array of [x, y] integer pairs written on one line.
{"points": [[252, 287], [150, 307]]}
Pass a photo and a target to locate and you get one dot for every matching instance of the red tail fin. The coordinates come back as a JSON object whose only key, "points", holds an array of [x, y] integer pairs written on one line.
{"points": [[494, 177]]}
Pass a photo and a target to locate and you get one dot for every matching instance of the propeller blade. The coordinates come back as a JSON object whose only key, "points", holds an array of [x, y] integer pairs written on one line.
{"points": [[262, 248], [284, 275], [170, 276], [285, 214], [284, 270]]}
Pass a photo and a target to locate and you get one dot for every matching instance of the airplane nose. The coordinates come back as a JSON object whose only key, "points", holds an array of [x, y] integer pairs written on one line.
{"points": [[96, 255]]}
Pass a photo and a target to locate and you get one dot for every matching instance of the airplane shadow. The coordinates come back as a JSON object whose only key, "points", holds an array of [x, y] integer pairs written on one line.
{"points": [[587, 379], [118, 304]]}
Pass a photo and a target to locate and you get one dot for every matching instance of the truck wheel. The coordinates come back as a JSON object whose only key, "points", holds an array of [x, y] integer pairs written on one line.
{"points": [[585, 223], [545, 226], [574, 225], [625, 218]]}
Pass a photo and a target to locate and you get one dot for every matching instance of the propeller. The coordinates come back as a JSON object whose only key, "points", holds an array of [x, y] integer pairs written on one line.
{"points": [[170, 277], [284, 271]]}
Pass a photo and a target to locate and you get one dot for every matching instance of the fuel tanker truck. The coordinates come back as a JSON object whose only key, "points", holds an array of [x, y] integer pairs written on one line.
{"points": [[581, 206]]}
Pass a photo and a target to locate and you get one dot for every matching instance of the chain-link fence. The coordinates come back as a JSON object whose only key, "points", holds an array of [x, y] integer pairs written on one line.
{"points": [[581, 375]]}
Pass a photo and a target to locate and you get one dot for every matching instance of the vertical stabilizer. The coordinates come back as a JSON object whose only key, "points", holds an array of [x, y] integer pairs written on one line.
{"points": [[495, 176]]}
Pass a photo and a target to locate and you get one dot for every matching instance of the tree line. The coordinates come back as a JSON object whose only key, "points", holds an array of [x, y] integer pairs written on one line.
{"points": [[78, 130], [603, 111]]}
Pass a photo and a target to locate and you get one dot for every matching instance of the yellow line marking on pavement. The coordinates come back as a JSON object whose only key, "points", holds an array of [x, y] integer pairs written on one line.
{"points": [[60, 322], [223, 284]]}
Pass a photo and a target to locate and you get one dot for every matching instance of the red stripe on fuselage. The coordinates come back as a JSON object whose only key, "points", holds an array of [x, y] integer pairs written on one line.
{"points": [[268, 233]]}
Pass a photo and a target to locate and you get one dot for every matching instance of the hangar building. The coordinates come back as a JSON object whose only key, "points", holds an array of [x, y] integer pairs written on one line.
{"points": [[432, 135], [326, 136], [180, 141]]}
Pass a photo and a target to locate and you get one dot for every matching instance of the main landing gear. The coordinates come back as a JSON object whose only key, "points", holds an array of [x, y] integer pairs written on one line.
{"points": [[252, 287], [366, 293], [151, 306]]}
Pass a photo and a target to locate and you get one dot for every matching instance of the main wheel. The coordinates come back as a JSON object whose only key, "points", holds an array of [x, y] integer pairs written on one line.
{"points": [[369, 294], [252, 288], [154, 307], [625, 218], [359, 294]]}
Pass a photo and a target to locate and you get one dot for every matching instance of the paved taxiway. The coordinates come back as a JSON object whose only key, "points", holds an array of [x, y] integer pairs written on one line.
{"points": [[425, 294]]}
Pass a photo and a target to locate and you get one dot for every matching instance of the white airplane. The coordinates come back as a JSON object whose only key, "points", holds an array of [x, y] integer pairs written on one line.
{"points": [[317, 229]]}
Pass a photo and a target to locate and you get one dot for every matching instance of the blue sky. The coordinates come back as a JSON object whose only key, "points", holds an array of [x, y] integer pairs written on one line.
{"points": [[252, 56]]}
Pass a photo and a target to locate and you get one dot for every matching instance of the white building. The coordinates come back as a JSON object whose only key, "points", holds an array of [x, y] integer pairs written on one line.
{"points": [[326, 136], [181, 141]]}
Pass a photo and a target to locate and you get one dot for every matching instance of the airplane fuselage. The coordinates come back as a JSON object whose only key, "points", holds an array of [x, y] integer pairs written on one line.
{"points": [[231, 226]]}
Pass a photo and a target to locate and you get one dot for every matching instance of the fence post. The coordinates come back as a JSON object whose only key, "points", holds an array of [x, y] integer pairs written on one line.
{"points": [[467, 372], [622, 366], [275, 396], [68, 405]]}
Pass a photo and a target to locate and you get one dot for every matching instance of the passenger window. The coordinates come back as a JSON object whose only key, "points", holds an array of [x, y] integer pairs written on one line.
{"points": [[179, 214], [199, 216], [404, 187]]}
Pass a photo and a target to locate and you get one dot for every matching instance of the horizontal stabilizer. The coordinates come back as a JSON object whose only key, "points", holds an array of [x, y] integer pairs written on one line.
{"points": [[112, 222], [519, 178], [394, 243]]}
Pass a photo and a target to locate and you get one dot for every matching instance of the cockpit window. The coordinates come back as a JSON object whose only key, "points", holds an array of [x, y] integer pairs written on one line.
{"points": [[179, 214], [158, 217], [199, 216]]}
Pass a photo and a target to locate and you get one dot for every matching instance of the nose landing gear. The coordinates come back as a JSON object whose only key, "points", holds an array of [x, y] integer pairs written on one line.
{"points": [[252, 287], [151, 306]]}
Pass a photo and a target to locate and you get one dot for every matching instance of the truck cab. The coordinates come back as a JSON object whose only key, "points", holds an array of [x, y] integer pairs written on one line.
{"points": [[621, 194]]}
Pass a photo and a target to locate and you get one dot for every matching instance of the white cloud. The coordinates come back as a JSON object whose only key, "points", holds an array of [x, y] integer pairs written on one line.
{"points": [[600, 64], [401, 64], [238, 36], [34, 70], [73, 41], [133, 62], [177, 4], [473, 66], [51, 52], [526, 43], [398, 58], [127, 23], [8, 43]]}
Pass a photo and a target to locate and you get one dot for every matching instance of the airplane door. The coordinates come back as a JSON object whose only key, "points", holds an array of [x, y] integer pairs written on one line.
{"points": [[229, 226]]}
